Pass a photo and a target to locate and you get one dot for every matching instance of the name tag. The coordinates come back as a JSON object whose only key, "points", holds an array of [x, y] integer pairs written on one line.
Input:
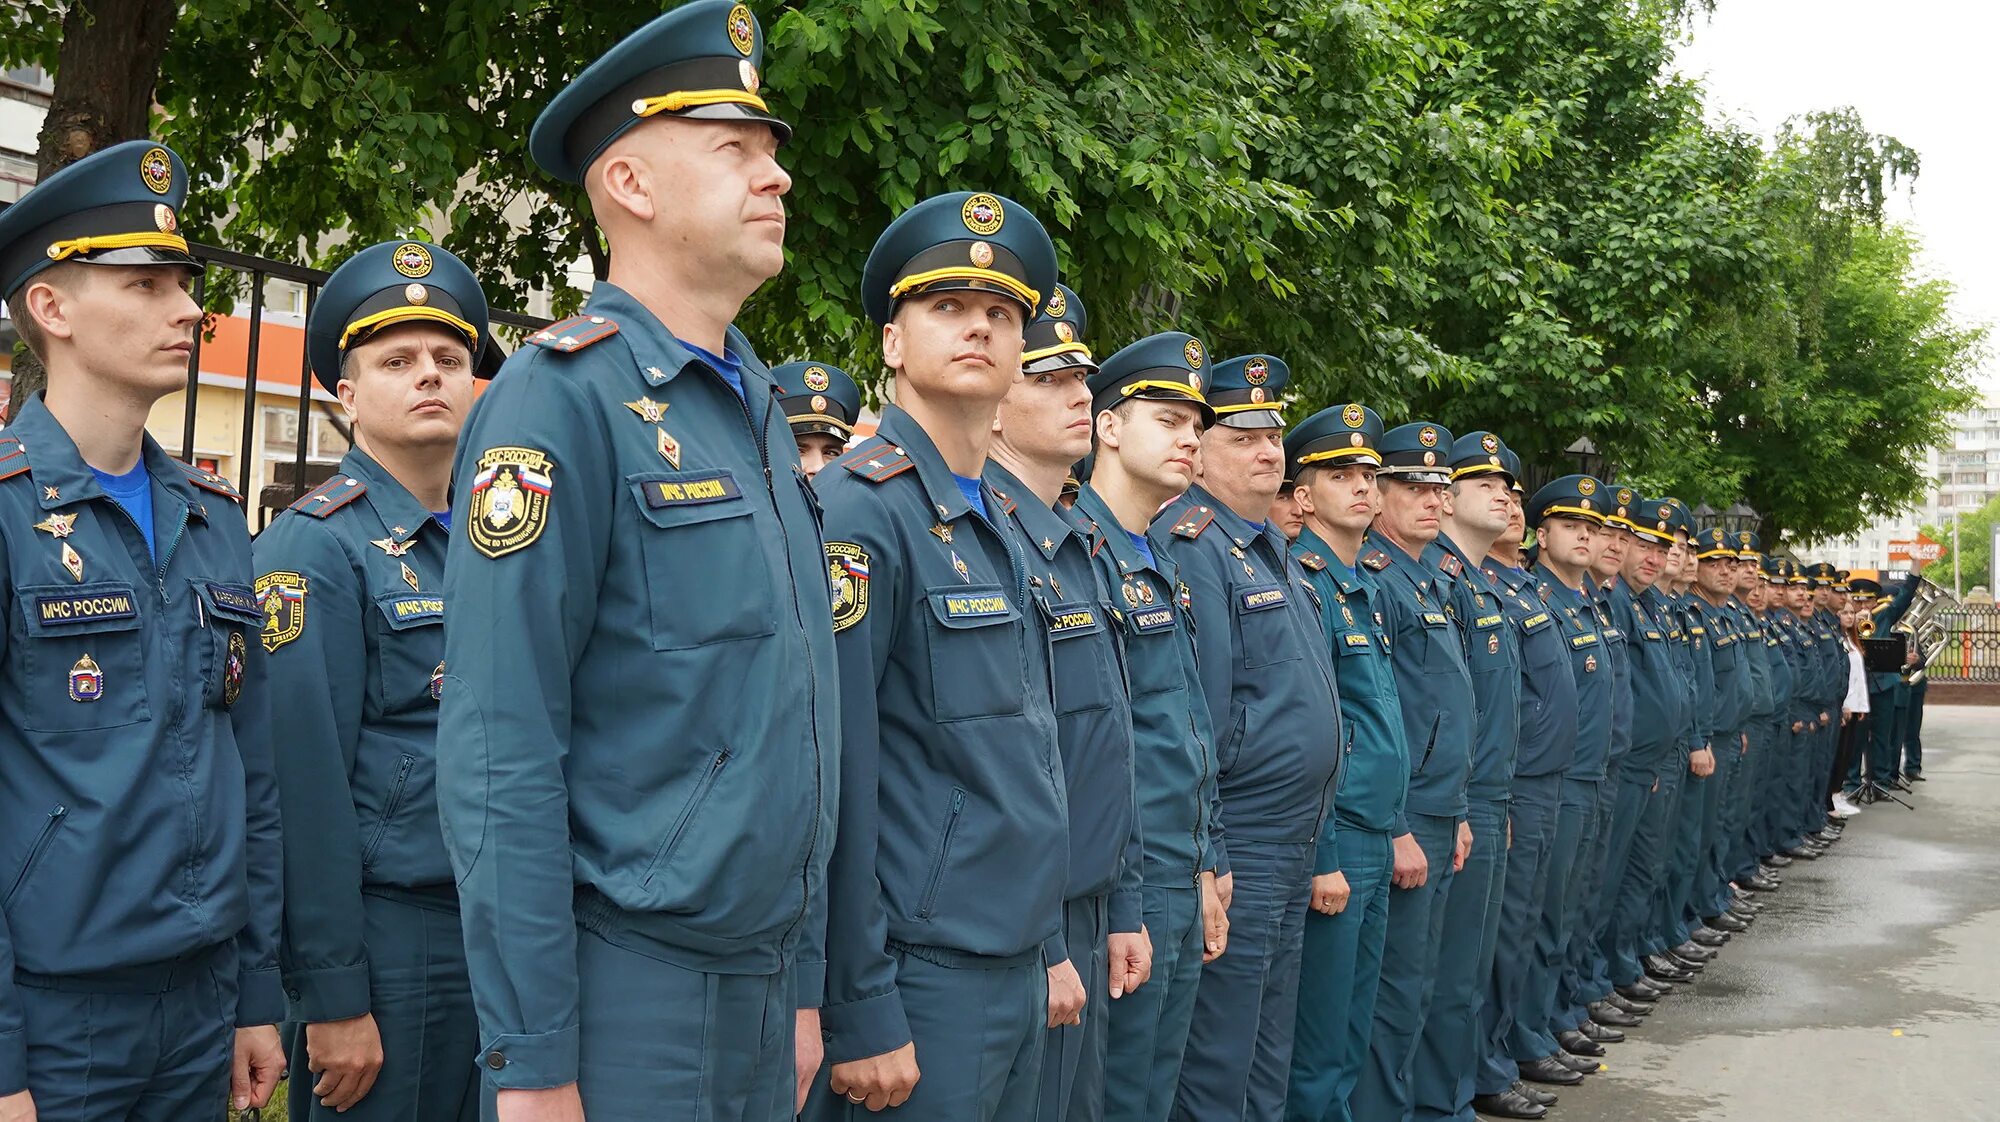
{"points": [[975, 607], [1355, 639], [1149, 620], [1578, 642], [1652, 634], [1066, 620], [713, 487], [1434, 619], [406, 608], [1697, 630], [1484, 622], [1260, 599], [82, 609], [237, 600]]}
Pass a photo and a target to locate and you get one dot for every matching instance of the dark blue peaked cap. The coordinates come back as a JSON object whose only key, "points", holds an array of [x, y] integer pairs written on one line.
{"points": [[120, 206], [961, 241], [702, 61], [1418, 452], [818, 397], [1162, 367], [1055, 339], [1338, 434], [1246, 391], [392, 283], [1573, 496], [1479, 453]]}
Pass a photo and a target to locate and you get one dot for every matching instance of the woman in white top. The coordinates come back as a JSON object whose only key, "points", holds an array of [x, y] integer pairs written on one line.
{"points": [[1853, 711]]}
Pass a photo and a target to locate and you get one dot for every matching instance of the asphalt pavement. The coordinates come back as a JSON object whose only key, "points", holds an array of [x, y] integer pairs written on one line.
{"points": [[1869, 988]]}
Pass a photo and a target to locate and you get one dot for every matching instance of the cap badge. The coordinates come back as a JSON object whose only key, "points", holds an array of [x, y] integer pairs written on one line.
{"points": [[1058, 305], [163, 217], [1065, 331], [748, 72], [412, 260], [1585, 504], [1194, 382], [1586, 486], [983, 215], [816, 379], [982, 254], [1625, 495], [1430, 459], [156, 170], [1490, 442], [416, 294], [1354, 438], [818, 404], [742, 29], [1256, 372], [1193, 353], [1427, 436], [1257, 395]]}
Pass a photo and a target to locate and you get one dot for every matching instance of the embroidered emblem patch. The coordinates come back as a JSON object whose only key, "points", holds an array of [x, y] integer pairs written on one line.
{"points": [[847, 573], [983, 215], [282, 598], [510, 499], [156, 171], [412, 260], [742, 29], [232, 669]]}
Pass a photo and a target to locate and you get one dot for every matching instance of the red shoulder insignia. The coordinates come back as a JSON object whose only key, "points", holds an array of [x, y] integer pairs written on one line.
{"points": [[1313, 561], [877, 461], [574, 333], [1193, 523], [1375, 559], [1451, 564], [209, 481], [330, 496], [1096, 543], [13, 458]]}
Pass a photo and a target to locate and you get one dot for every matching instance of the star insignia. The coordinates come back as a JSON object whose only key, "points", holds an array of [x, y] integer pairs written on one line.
{"points": [[391, 546], [1047, 545], [52, 494], [59, 526], [649, 411]]}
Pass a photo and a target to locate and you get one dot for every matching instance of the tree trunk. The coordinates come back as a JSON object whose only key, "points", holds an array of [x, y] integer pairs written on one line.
{"points": [[105, 73]]}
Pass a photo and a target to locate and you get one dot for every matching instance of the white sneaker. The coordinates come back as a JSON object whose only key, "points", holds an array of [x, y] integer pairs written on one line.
{"points": [[1842, 808]]}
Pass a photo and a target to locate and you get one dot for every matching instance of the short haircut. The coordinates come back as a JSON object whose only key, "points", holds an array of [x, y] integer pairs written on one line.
{"points": [[60, 274]]}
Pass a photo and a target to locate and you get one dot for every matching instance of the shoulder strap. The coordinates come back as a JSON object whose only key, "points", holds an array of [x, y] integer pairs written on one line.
{"points": [[330, 496], [575, 333]]}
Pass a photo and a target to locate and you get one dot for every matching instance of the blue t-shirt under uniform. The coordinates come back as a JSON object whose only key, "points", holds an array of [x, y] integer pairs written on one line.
{"points": [[1144, 547], [134, 492], [973, 495], [443, 518], [725, 364]]}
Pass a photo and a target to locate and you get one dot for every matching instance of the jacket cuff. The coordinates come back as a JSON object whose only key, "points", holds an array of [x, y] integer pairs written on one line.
{"points": [[871, 1026], [331, 994], [13, 1062], [531, 1061], [1127, 912], [260, 997], [810, 977], [1055, 950]]}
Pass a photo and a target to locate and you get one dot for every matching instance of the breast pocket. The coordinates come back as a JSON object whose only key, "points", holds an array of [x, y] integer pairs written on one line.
{"points": [[82, 658], [409, 650], [1439, 641], [976, 653], [1265, 626], [707, 579], [1083, 656], [233, 621]]}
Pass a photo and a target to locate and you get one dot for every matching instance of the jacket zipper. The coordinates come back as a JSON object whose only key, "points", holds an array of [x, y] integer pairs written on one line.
{"points": [[929, 900], [389, 809], [36, 852], [694, 802]]}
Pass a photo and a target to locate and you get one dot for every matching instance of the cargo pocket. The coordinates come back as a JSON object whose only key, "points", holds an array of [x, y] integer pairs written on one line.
{"points": [[1082, 657], [410, 652], [233, 620], [976, 653], [82, 658], [1269, 636], [707, 579]]}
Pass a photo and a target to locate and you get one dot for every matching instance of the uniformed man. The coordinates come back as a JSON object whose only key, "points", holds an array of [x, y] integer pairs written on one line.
{"points": [[1042, 428], [1660, 733], [1334, 456], [1150, 413], [1735, 855], [949, 873], [1286, 515], [821, 401], [1675, 871], [1456, 1034], [1886, 690], [1431, 839], [1572, 723], [1726, 709], [638, 864], [382, 1017], [137, 955], [1268, 680]]}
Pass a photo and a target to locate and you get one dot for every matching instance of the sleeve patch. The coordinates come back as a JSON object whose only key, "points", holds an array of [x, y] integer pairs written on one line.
{"points": [[281, 597], [511, 496], [847, 572]]}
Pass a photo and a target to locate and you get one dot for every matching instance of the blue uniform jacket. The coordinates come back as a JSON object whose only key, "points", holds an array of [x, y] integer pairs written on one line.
{"points": [[1886, 616], [1832, 645], [1619, 743], [352, 583], [138, 815], [954, 825], [640, 707], [1548, 689], [1720, 669], [1689, 650], [1431, 678], [1659, 697], [1757, 665], [1375, 759], [1807, 668], [1492, 657], [1172, 736], [1093, 705], [1779, 659], [1267, 678], [1589, 661]]}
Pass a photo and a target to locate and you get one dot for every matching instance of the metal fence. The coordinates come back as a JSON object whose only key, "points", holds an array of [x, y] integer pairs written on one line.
{"points": [[1963, 642], [258, 272]]}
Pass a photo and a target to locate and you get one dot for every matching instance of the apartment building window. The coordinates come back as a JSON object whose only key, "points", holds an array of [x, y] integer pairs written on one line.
{"points": [[324, 443]]}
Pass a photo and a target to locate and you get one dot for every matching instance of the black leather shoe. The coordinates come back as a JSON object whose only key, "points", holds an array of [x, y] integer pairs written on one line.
{"points": [[1915, 777], [1692, 951], [1826, 837], [1746, 907], [1577, 1044], [1635, 1007], [1534, 1094], [1582, 1065], [1778, 860], [1804, 851], [1900, 783], [1654, 988], [1603, 1034], [1761, 883], [1508, 1104], [1664, 969], [1689, 965], [1725, 924], [1548, 1070], [1708, 936], [1608, 1015]]}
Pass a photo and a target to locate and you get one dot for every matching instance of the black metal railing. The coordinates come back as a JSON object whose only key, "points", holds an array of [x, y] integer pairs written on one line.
{"points": [[258, 272], [1963, 642]]}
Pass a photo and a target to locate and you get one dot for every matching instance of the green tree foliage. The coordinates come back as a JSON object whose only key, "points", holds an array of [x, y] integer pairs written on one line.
{"points": [[1506, 214], [1975, 549]]}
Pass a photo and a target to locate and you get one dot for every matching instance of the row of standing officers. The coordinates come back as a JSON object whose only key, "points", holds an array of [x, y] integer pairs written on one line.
{"points": [[1082, 744]]}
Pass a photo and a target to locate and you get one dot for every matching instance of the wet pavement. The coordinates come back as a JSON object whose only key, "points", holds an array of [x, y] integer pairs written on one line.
{"points": [[1869, 988]]}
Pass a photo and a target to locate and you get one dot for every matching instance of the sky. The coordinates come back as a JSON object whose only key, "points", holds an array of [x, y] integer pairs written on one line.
{"points": [[1922, 71]]}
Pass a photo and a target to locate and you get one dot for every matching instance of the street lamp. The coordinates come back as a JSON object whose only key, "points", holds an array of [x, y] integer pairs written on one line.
{"points": [[1704, 516], [1741, 516], [1588, 461]]}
